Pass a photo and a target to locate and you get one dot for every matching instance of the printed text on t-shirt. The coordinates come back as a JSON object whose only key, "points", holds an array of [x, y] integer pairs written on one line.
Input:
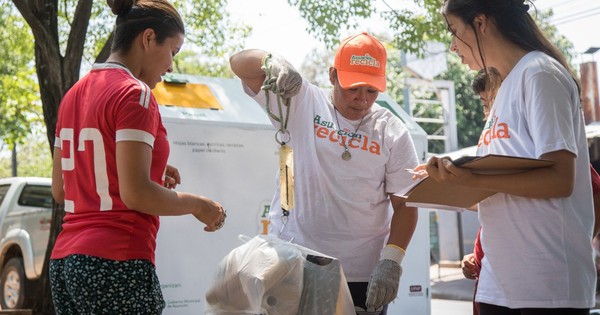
{"points": [[493, 130], [326, 130]]}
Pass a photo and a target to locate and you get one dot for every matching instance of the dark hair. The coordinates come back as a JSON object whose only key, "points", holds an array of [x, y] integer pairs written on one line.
{"points": [[487, 79], [513, 22], [135, 16]]}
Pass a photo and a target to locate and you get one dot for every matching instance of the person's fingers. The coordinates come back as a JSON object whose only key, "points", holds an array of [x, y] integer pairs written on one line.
{"points": [[446, 163], [176, 176], [420, 167], [431, 167], [443, 163], [468, 272], [221, 221], [173, 173], [170, 182], [446, 169], [417, 174], [432, 162], [469, 265]]}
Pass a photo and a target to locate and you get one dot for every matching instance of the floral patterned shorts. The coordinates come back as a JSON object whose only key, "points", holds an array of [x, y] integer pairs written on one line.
{"points": [[84, 284]]}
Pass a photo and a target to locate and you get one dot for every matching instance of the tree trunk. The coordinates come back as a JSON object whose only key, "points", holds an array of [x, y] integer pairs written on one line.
{"points": [[43, 301], [56, 74]]}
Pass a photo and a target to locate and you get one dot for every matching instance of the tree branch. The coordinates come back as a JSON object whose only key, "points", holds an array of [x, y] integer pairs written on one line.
{"points": [[38, 15], [76, 41]]}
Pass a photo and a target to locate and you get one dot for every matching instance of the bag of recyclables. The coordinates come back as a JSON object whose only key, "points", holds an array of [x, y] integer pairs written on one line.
{"points": [[269, 276]]}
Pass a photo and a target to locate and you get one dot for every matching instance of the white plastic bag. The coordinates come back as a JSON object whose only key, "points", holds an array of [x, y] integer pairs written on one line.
{"points": [[269, 276]]}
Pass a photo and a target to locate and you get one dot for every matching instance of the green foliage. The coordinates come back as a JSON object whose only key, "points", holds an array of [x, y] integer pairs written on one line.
{"points": [[190, 62], [395, 75], [327, 17], [413, 27], [33, 156], [212, 35], [5, 163], [212, 38], [315, 68], [19, 97], [469, 110], [99, 29]]}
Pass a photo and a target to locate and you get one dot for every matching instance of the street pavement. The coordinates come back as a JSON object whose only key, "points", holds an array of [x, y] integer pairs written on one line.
{"points": [[448, 283], [451, 292], [451, 307]]}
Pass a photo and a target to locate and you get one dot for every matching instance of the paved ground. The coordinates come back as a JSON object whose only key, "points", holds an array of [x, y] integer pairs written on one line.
{"points": [[448, 283], [451, 307]]}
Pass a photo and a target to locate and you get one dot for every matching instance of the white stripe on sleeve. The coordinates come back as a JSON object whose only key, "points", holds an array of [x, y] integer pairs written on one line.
{"points": [[135, 135]]}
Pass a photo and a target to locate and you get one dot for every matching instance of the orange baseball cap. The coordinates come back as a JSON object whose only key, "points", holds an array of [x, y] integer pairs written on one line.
{"points": [[359, 61]]}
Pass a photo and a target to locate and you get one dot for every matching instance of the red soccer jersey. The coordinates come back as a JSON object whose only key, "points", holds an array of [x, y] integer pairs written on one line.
{"points": [[478, 252], [595, 180], [106, 106]]}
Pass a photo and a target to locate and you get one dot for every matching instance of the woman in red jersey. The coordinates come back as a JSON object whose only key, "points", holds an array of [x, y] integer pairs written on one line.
{"points": [[111, 172]]}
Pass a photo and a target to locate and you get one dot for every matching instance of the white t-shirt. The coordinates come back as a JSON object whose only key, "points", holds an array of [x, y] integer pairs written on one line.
{"points": [[342, 208], [538, 252]]}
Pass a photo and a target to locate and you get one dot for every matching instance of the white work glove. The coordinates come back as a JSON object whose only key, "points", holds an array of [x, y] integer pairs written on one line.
{"points": [[385, 278], [288, 81]]}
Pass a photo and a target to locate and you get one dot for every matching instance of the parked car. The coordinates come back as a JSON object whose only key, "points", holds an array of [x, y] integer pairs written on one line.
{"points": [[25, 217]]}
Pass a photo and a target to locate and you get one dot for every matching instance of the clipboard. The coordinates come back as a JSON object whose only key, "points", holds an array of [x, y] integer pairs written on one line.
{"points": [[428, 193], [500, 164]]}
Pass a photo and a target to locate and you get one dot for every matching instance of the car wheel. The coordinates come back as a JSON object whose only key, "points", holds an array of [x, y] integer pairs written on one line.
{"points": [[12, 284]]}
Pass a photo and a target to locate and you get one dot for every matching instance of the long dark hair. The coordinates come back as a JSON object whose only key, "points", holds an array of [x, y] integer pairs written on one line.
{"points": [[134, 16], [513, 22]]}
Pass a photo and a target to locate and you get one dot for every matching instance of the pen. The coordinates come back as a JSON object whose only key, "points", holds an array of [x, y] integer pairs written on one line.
{"points": [[415, 172]]}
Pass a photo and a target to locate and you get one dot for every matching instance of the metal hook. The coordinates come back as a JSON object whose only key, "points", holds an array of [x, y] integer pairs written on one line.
{"points": [[283, 134], [284, 220]]}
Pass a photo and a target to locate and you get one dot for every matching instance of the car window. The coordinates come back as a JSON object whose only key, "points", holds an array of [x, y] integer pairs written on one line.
{"points": [[36, 196], [3, 191]]}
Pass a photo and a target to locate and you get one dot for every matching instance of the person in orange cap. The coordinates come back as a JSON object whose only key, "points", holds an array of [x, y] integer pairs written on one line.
{"points": [[350, 156]]}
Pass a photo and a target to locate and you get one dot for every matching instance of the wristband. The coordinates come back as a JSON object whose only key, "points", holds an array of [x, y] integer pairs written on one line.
{"points": [[393, 252]]}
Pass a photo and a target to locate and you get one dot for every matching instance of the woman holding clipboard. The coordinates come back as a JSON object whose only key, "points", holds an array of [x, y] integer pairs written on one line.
{"points": [[537, 226]]}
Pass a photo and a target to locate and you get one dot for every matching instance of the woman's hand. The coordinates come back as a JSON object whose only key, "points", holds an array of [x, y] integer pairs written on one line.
{"points": [[418, 172], [210, 213], [468, 266], [172, 177], [441, 169]]}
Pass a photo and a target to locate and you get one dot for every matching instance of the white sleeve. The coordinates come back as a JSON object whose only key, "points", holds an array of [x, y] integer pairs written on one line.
{"points": [[549, 110]]}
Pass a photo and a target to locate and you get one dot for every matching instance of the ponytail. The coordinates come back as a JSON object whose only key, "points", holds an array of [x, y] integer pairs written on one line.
{"points": [[135, 16]]}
